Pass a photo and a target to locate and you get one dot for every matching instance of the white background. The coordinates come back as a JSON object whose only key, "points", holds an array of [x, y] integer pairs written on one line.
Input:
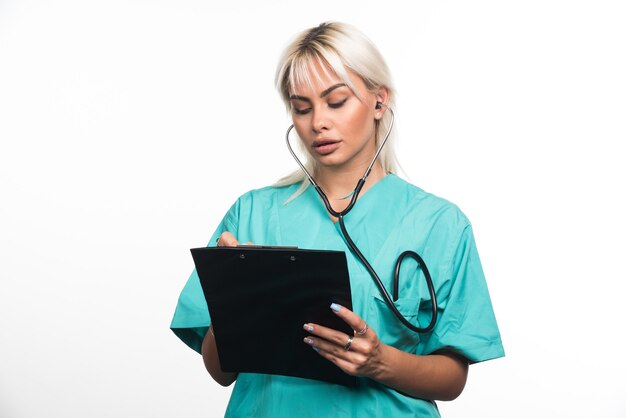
{"points": [[128, 128]]}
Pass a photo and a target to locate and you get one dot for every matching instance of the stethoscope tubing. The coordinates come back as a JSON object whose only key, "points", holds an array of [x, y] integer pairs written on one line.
{"points": [[396, 279], [355, 250]]}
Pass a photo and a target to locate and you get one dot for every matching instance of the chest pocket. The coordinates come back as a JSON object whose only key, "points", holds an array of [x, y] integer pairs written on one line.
{"points": [[389, 328]]}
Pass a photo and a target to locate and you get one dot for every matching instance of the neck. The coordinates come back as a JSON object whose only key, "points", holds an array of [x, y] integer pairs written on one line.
{"points": [[339, 182]]}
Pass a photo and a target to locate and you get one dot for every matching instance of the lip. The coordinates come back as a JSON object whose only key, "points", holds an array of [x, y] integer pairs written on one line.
{"points": [[325, 146]]}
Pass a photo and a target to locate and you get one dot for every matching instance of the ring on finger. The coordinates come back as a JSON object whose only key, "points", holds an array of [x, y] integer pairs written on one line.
{"points": [[363, 331], [348, 344]]}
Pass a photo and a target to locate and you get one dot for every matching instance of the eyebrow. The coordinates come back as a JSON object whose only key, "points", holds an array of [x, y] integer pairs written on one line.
{"points": [[324, 93]]}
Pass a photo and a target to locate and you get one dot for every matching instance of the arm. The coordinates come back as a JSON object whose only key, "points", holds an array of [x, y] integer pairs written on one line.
{"points": [[212, 361], [439, 376]]}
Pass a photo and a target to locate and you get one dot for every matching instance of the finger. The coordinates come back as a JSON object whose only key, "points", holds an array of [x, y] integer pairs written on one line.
{"points": [[335, 342], [349, 317], [349, 361], [333, 336], [227, 240], [331, 349]]}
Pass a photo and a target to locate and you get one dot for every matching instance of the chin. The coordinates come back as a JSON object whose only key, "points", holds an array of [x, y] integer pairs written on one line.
{"points": [[330, 161]]}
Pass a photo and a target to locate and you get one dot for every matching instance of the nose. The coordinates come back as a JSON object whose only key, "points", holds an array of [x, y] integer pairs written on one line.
{"points": [[320, 121]]}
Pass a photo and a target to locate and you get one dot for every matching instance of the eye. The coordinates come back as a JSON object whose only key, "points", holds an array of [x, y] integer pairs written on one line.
{"points": [[336, 105], [301, 111]]}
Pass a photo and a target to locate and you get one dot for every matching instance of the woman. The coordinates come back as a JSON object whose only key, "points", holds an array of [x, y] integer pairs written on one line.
{"points": [[338, 90]]}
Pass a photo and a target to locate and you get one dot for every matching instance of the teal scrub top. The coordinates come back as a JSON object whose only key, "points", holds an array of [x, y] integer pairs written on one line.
{"points": [[391, 217]]}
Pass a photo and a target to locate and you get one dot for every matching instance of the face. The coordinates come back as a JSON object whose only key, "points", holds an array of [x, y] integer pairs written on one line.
{"points": [[335, 124]]}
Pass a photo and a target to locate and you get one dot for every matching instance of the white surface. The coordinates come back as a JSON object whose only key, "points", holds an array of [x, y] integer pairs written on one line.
{"points": [[127, 129]]}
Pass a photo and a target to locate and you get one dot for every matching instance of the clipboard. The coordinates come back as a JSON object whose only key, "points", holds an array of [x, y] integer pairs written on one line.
{"points": [[260, 297]]}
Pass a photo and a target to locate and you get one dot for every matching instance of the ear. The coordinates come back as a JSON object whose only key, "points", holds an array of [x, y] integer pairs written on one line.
{"points": [[382, 96]]}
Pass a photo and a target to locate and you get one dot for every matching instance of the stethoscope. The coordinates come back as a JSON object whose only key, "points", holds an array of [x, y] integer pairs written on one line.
{"points": [[355, 249]]}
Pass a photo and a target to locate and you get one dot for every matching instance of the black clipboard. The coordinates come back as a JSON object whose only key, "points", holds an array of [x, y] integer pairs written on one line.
{"points": [[260, 297]]}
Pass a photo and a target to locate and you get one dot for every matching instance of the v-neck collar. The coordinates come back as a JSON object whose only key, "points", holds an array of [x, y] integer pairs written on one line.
{"points": [[362, 201], [304, 222]]}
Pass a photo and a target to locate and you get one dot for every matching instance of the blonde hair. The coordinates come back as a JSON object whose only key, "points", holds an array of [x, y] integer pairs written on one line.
{"points": [[339, 48]]}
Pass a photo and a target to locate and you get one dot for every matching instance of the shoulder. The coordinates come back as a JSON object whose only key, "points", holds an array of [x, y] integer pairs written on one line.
{"points": [[267, 195], [426, 206], [262, 199]]}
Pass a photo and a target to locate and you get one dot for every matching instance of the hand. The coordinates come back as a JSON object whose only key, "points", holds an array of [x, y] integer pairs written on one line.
{"points": [[360, 354], [227, 240]]}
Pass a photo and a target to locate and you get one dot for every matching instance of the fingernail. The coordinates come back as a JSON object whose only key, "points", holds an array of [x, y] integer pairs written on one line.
{"points": [[308, 328], [316, 349], [335, 307], [308, 341]]}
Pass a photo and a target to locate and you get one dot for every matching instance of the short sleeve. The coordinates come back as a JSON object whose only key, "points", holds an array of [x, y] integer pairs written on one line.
{"points": [[191, 317], [467, 323]]}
